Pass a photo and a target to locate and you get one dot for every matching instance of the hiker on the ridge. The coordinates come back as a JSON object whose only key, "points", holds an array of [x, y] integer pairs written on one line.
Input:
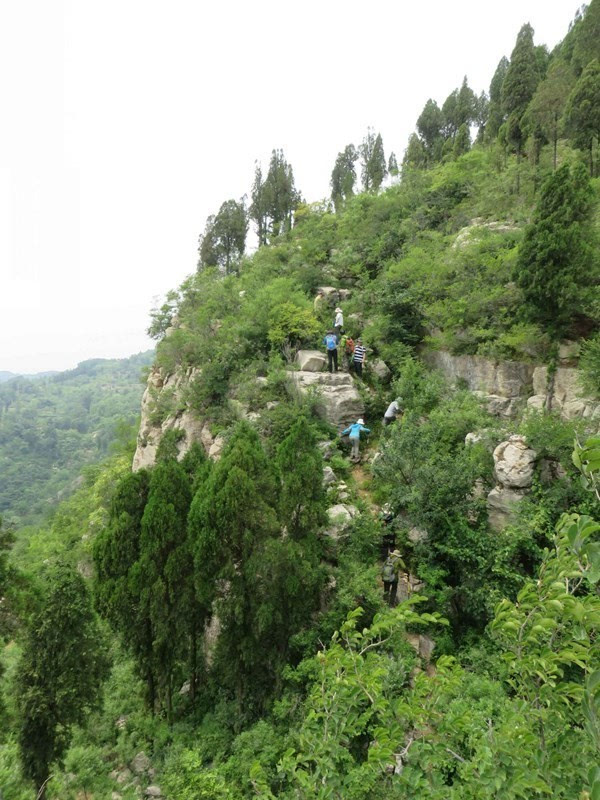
{"points": [[347, 347], [393, 411], [338, 324], [354, 432], [389, 576], [331, 342], [318, 301], [359, 357]]}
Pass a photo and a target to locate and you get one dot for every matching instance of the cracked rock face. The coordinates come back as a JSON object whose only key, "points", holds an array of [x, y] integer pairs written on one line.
{"points": [[339, 401], [514, 462]]}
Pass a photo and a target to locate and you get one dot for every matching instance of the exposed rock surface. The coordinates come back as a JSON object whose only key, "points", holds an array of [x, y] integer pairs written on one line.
{"points": [[329, 476], [502, 383], [340, 403], [381, 369], [141, 763], [340, 516], [514, 463], [311, 360], [182, 419], [561, 391], [472, 232]]}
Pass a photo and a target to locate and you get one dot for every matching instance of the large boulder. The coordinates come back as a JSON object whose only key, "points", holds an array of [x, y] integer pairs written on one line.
{"points": [[339, 401], [311, 360], [514, 462], [381, 369], [502, 505]]}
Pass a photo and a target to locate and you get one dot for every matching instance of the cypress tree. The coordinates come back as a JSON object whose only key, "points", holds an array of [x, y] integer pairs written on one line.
{"points": [[429, 126], [301, 496], [522, 75], [164, 573], [462, 142], [556, 255], [373, 167], [343, 176], [117, 587], [586, 45], [548, 103], [61, 671], [496, 115]]}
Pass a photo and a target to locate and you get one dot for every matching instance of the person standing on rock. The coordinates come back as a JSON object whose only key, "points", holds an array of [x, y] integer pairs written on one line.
{"points": [[353, 432], [331, 342], [389, 576], [393, 410], [338, 324], [359, 357], [318, 301]]}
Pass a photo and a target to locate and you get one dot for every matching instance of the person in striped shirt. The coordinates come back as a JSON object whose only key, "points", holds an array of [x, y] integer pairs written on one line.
{"points": [[359, 357]]}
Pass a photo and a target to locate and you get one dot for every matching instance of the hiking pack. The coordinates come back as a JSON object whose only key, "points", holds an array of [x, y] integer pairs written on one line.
{"points": [[331, 341], [388, 573]]}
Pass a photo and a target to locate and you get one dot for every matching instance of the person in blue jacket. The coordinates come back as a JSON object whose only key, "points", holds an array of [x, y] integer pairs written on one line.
{"points": [[354, 432]]}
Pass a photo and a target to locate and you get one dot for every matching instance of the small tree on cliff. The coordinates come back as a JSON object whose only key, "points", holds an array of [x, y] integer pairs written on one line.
{"points": [[60, 673]]}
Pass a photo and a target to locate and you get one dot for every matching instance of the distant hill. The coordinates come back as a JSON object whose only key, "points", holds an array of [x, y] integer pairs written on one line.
{"points": [[53, 424], [8, 376]]}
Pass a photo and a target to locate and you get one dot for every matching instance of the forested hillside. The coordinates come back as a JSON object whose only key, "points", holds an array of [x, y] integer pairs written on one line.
{"points": [[50, 427], [213, 623]]}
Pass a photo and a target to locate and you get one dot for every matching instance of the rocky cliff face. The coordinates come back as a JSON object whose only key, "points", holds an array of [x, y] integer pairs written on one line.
{"points": [[509, 386]]}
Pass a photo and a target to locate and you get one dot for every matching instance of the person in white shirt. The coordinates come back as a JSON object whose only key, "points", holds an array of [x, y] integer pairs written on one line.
{"points": [[394, 408], [339, 321]]}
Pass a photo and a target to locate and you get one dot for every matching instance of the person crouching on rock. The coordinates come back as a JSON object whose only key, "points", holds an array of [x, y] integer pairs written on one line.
{"points": [[331, 342], [354, 432], [393, 411]]}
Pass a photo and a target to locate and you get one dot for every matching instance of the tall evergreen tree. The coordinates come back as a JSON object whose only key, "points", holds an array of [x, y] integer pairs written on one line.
{"points": [[466, 105], [118, 586], [522, 75], [496, 115], [586, 46], [415, 154], [392, 164], [229, 523], [556, 256], [582, 113], [301, 496], [450, 123], [462, 142], [372, 159], [258, 206], [343, 176], [281, 195], [224, 240], [429, 126], [548, 103], [165, 572], [61, 671]]}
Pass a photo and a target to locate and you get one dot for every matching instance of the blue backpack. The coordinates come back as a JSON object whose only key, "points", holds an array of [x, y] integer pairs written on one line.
{"points": [[331, 341]]}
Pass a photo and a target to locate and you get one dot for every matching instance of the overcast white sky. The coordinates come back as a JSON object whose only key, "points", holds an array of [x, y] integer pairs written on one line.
{"points": [[126, 122]]}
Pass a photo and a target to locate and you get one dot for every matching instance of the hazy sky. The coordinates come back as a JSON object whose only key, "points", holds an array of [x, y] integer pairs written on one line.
{"points": [[124, 124]]}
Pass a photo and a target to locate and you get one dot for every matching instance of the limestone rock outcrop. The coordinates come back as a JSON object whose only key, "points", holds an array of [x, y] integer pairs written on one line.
{"points": [[514, 464], [311, 360], [181, 417], [339, 401], [561, 391], [503, 384]]}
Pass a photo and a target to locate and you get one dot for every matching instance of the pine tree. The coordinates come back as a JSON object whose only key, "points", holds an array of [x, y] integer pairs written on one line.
{"points": [[582, 113], [450, 123], [556, 255], [392, 164], [466, 105], [280, 194], [343, 176], [60, 674]]}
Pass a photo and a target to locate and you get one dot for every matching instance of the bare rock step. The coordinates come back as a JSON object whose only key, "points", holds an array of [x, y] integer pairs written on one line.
{"points": [[339, 403], [311, 360]]}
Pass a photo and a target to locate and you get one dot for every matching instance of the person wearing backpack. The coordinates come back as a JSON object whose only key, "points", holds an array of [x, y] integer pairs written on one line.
{"points": [[389, 576], [354, 432], [331, 342]]}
